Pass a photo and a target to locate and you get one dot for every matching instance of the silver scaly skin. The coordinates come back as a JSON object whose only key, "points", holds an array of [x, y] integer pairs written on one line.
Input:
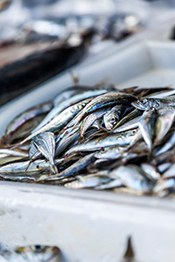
{"points": [[106, 140]]}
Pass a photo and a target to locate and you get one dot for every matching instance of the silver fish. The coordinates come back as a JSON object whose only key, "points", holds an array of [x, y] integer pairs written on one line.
{"points": [[8, 155], [169, 173], [111, 152], [45, 143], [164, 185], [148, 103], [68, 102], [88, 181], [133, 177], [132, 115], [27, 115], [89, 120], [26, 167], [111, 184], [110, 98], [67, 140], [151, 171], [168, 145], [147, 126], [113, 116], [121, 139], [37, 253], [9, 152], [163, 125], [134, 123], [163, 167], [59, 121], [74, 168]]}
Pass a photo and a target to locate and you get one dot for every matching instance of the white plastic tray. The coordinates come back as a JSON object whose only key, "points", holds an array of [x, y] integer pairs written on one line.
{"points": [[91, 226], [87, 225]]}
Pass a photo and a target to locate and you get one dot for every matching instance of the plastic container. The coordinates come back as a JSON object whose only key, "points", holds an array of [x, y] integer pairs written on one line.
{"points": [[88, 225]]}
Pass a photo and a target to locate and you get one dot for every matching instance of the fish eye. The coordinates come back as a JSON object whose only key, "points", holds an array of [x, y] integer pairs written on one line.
{"points": [[37, 248], [144, 101], [157, 103]]}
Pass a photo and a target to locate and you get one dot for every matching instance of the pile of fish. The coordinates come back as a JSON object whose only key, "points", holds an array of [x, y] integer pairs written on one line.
{"points": [[95, 137]]}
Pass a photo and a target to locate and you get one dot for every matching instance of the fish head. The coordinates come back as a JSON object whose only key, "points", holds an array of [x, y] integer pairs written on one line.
{"points": [[141, 104], [145, 104], [37, 252], [110, 120]]}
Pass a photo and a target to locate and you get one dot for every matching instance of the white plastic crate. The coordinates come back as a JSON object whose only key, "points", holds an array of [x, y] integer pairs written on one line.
{"points": [[90, 226]]}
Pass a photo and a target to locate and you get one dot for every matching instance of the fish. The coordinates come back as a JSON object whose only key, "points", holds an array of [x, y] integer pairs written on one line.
{"points": [[58, 108], [26, 167], [110, 98], [113, 116], [168, 145], [89, 120], [59, 121], [88, 181], [73, 169], [157, 103], [122, 139], [45, 143], [163, 125], [147, 125], [151, 171], [133, 177], [30, 113], [35, 253], [129, 117]]}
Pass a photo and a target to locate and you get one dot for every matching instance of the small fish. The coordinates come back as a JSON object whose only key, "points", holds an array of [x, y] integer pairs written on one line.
{"points": [[77, 89], [147, 125], [108, 99], [8, 152], [90, 119], [68, 102], [134, 123], [74, 168], [59, 121], [45, 143], [111, 152], [67, 140], [163, 167], [113, 116], [151, 171], [111, 184], [8, 155], [30, 113], [169, 173], [168, 145], [148, 103], [88, 181], [163, 125], [163, 185], [37, 253], [133, 177], [26, 167], [129, 117], [121, 139]]}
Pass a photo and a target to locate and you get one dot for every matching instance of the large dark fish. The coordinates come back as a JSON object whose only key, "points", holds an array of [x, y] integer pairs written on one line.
{"points": [[22, 75]]}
